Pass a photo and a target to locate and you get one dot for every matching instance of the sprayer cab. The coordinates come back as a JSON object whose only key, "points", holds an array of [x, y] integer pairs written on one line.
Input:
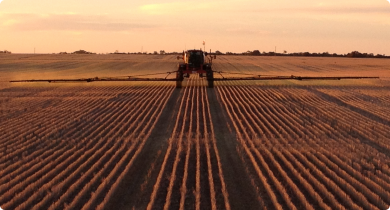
{"points": [[195, 60]]}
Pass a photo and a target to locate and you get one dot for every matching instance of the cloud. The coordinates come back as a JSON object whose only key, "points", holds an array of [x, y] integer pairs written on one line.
{"points": [[327, 10], [10, 22], [348, 10], [69, 22], [278, 7], [182, 7]]}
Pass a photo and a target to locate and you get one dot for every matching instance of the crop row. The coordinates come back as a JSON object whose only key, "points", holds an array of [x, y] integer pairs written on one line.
{"points": [[284, 131], [376, 105], [63, 156], [191, 164]]}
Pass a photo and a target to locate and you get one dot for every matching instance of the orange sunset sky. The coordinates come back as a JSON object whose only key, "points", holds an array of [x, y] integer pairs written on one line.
{"points": [[101, 26]]}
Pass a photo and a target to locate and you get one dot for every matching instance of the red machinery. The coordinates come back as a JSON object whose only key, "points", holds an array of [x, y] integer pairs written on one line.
{"points": [[195, 62]]}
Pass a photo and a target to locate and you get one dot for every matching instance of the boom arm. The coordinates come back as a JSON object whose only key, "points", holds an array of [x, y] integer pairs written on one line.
{"points": [[274, 77], [135, 78], [96, 79], [105, 79], [292, 77]]}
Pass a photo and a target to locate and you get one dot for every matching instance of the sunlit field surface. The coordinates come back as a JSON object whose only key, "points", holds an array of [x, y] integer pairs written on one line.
{"points": [[148, 145]]}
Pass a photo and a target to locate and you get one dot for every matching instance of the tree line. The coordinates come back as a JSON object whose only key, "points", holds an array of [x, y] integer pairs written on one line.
{"points": [[353, 54]]}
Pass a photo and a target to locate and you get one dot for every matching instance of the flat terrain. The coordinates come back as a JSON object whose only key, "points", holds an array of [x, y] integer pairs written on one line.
{"points": [[148, 145]]}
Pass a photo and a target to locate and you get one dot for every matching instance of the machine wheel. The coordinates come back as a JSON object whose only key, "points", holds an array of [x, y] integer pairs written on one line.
{"points": [[179, 79], [211, 83], [178, 84], [210, 78]]}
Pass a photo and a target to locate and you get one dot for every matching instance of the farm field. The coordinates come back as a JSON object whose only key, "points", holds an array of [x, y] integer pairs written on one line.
{"points": [[239, 145]]}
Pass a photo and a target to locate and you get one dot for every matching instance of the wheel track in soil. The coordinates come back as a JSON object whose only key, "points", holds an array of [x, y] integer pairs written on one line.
{"points": [[359, 111], [131, 193], [241, 193]]}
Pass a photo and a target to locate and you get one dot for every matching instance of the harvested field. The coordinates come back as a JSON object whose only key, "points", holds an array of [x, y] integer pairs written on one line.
{"points": [[148, 145]]}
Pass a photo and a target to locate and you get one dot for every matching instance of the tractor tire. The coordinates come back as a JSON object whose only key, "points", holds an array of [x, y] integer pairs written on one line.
{"points": [[179, 79], [178, 84], [210, 83], [210, 78]]}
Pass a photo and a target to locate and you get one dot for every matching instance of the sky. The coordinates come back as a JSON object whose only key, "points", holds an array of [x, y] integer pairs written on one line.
{"points": [[102, 26]]}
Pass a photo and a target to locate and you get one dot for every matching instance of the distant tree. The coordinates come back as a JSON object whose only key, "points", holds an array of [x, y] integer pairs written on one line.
{"points": [[247, 53], [354, 54], [82, 52], [155, 53], [325, 54], [271, 53], [256, 52], [218, 52], [162, 52]]}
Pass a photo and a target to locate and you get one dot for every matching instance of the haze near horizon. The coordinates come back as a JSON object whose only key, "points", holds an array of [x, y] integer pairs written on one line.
{"points": [[231, 25]]}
